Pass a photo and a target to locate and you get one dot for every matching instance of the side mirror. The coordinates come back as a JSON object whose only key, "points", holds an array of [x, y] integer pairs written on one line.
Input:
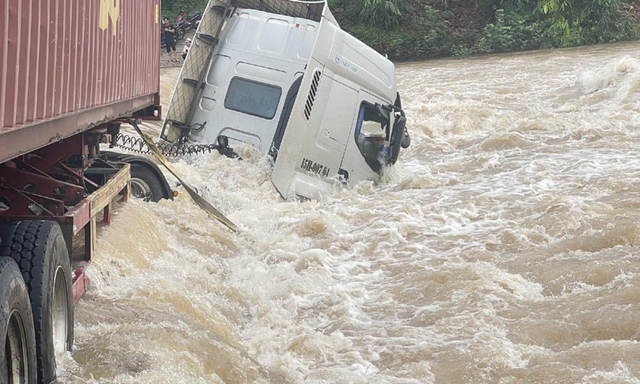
{"points": [[398, 138]]}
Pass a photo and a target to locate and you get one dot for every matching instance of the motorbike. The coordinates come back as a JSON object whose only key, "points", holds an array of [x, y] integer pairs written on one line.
{"points": [[193, 19], [182, 24], [180, 17], [188, 23], [180, 28]]}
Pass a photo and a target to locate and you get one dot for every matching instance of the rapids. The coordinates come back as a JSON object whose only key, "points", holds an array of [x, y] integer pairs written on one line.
{"points": [[502, 248]]}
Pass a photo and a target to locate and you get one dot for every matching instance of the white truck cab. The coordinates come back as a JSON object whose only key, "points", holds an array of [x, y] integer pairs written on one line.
{"points": [[322, 104]]}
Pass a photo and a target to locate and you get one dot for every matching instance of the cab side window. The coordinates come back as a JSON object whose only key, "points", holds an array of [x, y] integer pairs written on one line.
{"points": [[370, 134], [253, 98]]}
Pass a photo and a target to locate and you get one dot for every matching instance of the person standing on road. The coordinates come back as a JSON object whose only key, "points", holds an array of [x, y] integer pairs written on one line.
{"points": [[185, 50], [169, 40]]}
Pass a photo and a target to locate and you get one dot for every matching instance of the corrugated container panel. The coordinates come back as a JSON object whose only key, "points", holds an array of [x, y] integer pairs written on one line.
{"points": [[62, 57]]}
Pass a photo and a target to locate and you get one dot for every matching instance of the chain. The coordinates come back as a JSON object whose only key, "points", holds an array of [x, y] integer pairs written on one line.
{"points": [[136, 144]]}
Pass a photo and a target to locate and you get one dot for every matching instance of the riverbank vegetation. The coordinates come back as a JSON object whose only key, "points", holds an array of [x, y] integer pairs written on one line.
{"points": [[413, 29], [422, 29]]}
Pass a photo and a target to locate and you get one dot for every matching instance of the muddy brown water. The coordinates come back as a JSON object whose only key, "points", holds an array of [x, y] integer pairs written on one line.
{"points": [[503, 248]]}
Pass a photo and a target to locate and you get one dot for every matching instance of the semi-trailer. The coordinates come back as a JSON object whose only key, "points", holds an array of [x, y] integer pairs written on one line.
{"points": [[71, 72]]}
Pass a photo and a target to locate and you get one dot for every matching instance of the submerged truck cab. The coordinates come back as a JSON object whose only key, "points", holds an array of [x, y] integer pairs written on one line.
{"points": [[250, 77], [282, 76]]}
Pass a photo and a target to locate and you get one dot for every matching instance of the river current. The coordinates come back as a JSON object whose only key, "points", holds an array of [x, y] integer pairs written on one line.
{"points": [[502, 248]]}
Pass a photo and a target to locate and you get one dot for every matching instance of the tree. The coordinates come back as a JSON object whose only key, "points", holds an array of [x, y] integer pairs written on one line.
{"points": [[383, 13], [587, 21]]}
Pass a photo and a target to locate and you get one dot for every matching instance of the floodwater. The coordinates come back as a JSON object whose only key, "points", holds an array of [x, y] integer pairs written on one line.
{"points": [[501, 249]]}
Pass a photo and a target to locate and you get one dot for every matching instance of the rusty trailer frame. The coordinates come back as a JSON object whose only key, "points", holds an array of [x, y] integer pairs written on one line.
{"points": [[84, 216]]}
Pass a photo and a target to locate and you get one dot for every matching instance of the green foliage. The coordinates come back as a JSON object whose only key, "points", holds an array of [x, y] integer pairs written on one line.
{"points": [[171, 8], [383, 13], [336, 3], [431, 37], [576, 22], [437, 39], [463, 42], [391, 43], [523, 7], [395, 28], [511, 31], [533, 24]]}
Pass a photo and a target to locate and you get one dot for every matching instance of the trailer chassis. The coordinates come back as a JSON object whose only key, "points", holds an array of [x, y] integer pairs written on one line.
{"points": [[70, 183]]}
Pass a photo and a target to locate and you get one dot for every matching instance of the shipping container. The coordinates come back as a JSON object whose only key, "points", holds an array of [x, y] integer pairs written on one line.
{"points": [[71, 72], [69, 65]]}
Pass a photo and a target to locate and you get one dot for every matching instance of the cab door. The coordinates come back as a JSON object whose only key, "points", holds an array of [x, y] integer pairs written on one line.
{"points": [[315, 139], [317, 132], [341, 72]]}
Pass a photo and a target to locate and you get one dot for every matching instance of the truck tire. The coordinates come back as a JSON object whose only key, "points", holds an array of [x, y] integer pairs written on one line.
{"points": [[147, 181], [39, 248], [17, 336], [145, 184]]}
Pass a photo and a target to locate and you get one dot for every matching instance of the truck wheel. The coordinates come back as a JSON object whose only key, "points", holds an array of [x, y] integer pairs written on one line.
{"points": [[145, 184], [17, 337], [147, 181], [39, 248]]}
